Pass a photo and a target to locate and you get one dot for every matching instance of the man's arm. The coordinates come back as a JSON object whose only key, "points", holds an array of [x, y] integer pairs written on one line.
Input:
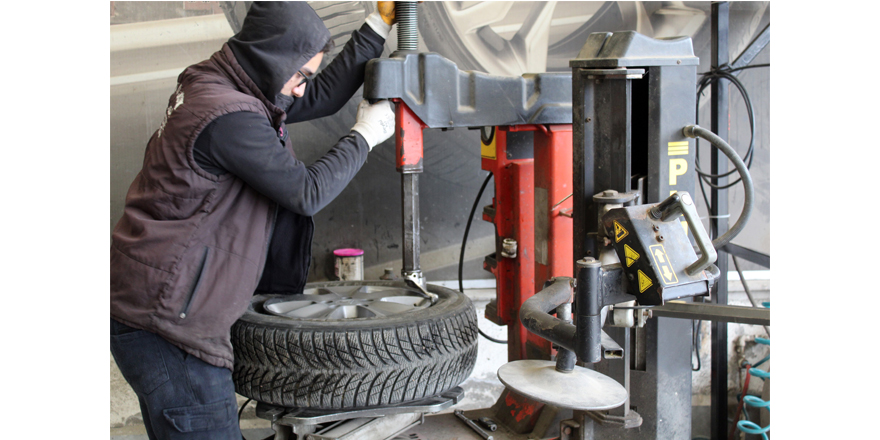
{"points": [[338, 82], [245, 144]]}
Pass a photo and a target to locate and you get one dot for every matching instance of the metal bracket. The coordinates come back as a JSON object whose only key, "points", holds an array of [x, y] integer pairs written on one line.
{"points": [[444, 97], [631, 420]]}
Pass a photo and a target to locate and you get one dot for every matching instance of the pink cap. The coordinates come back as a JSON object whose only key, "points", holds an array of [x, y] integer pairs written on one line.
{"points": [[350, 252]]}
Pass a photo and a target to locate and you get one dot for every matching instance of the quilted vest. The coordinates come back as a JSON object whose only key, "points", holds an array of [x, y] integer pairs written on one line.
{"points": [[190, 247]]}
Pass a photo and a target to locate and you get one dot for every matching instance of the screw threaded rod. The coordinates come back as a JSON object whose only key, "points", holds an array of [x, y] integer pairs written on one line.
{"points": [[407, 26]]}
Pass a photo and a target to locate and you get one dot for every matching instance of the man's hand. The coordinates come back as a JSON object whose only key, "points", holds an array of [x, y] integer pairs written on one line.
{"points": [[386, 10], [375, 122]]}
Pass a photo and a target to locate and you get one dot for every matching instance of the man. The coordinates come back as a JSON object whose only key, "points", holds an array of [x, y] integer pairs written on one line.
{"points": [[222, 208]]}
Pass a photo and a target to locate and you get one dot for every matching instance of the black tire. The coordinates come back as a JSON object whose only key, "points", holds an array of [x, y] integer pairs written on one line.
{"points": [[355, 363]]}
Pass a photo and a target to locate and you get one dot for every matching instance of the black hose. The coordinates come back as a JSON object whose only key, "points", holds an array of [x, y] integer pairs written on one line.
{"points": [[242, 409], [708, 79], [467, 230], [696, 344], [694, 131], [497, 341]]}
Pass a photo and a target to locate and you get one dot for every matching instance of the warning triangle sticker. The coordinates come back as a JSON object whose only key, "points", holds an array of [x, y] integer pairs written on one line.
{"points": [[644, 282], [619, 232], [631, 255]]}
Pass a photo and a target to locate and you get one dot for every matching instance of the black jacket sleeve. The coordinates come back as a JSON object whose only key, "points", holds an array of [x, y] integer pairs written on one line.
{"points": [[336, 84], [246, 145]]}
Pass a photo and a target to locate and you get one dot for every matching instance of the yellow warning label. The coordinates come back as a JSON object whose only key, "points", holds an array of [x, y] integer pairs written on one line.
{"points": [[619, 232], [631, 255], [664, 266], [644, 282], [488, 151]]}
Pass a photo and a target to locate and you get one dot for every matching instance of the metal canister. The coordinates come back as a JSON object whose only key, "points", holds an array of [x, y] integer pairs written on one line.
{"points": [[349, 264]]}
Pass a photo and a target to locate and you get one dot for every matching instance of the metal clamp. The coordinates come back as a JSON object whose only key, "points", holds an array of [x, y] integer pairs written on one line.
{"points": [[416, 280]]}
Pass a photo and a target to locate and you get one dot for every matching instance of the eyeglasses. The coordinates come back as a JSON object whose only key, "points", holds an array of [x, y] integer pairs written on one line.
{"points": [[305, 79]]}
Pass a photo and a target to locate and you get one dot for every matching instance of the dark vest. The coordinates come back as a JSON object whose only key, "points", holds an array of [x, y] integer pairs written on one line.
{"points": [[189, 250]]}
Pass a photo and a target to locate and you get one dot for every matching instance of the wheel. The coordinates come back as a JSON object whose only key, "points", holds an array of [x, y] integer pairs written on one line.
{"points": [[350, 345], [512, 38]]}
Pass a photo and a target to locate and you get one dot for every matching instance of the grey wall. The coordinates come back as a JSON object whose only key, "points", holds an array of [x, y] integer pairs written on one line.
{"points": [[367, 214]]}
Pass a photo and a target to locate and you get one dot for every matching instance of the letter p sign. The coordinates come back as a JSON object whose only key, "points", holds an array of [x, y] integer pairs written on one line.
{"points": [[677, 167]]}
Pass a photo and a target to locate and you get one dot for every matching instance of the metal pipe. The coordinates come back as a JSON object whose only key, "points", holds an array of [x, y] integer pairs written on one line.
{"points": [[694, 131], [589, 309], [407, 25], [565, 359], [534, 313], [718, 222], [713, 312], [411, 232]]}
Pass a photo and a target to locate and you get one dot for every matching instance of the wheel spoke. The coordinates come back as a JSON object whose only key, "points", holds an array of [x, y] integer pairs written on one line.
{"points": [[531, 42], [313, 311], [288, 306], [344, 292], [478, 15], [324, 294]]}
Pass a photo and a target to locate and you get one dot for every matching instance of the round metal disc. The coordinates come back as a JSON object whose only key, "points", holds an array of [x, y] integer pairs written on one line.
{"points": [[581, 389]]}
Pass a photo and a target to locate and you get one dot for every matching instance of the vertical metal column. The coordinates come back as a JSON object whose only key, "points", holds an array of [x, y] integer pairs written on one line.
{"points": [[553, 192], [409, 151], [602, 157], [718, 218]]}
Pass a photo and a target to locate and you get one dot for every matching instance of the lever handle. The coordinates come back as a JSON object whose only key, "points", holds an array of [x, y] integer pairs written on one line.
{"points": [[681, 203]]}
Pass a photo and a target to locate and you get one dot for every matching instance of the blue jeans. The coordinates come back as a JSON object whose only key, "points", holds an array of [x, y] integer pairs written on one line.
{"points": [[181, 396]]}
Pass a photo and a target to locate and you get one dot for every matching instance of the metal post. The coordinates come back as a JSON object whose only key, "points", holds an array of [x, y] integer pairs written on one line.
{"points": [[411, 236], [718, 222]]}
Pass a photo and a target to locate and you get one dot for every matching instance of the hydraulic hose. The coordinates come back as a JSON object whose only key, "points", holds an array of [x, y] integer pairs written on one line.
{"points": [[694, 131]]}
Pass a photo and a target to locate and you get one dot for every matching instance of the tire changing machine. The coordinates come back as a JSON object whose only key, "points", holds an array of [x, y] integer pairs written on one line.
{"points": [[573, 156]]}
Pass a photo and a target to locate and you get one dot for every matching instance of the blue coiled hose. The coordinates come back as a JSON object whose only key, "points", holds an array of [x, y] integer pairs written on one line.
{"points": [[748, 426]]}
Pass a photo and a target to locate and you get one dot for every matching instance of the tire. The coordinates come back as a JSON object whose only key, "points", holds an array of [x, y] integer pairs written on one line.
{"points": [[354, 363]]}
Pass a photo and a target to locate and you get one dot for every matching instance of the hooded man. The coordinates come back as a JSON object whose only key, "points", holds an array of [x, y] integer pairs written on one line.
{"points": [[222, 208]]}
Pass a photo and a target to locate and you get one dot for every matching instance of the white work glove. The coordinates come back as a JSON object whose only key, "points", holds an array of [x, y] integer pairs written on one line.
{"points": [[375, 122]]}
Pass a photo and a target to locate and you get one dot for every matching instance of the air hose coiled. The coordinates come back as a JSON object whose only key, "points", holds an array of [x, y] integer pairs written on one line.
{"points": [[748, 426]]}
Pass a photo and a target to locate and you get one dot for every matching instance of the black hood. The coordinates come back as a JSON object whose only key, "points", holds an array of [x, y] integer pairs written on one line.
{"points": [[276, 40]]}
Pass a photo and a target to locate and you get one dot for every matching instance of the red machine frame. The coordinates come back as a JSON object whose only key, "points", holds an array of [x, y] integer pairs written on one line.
{"points": [[513, 212]]}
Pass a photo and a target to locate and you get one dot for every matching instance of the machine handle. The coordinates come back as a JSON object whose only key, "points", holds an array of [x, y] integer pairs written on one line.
{"points": [[681, 203]]}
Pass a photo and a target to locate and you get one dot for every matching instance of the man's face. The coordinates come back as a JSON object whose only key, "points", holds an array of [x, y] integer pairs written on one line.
{"points": [[296, 86]]}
